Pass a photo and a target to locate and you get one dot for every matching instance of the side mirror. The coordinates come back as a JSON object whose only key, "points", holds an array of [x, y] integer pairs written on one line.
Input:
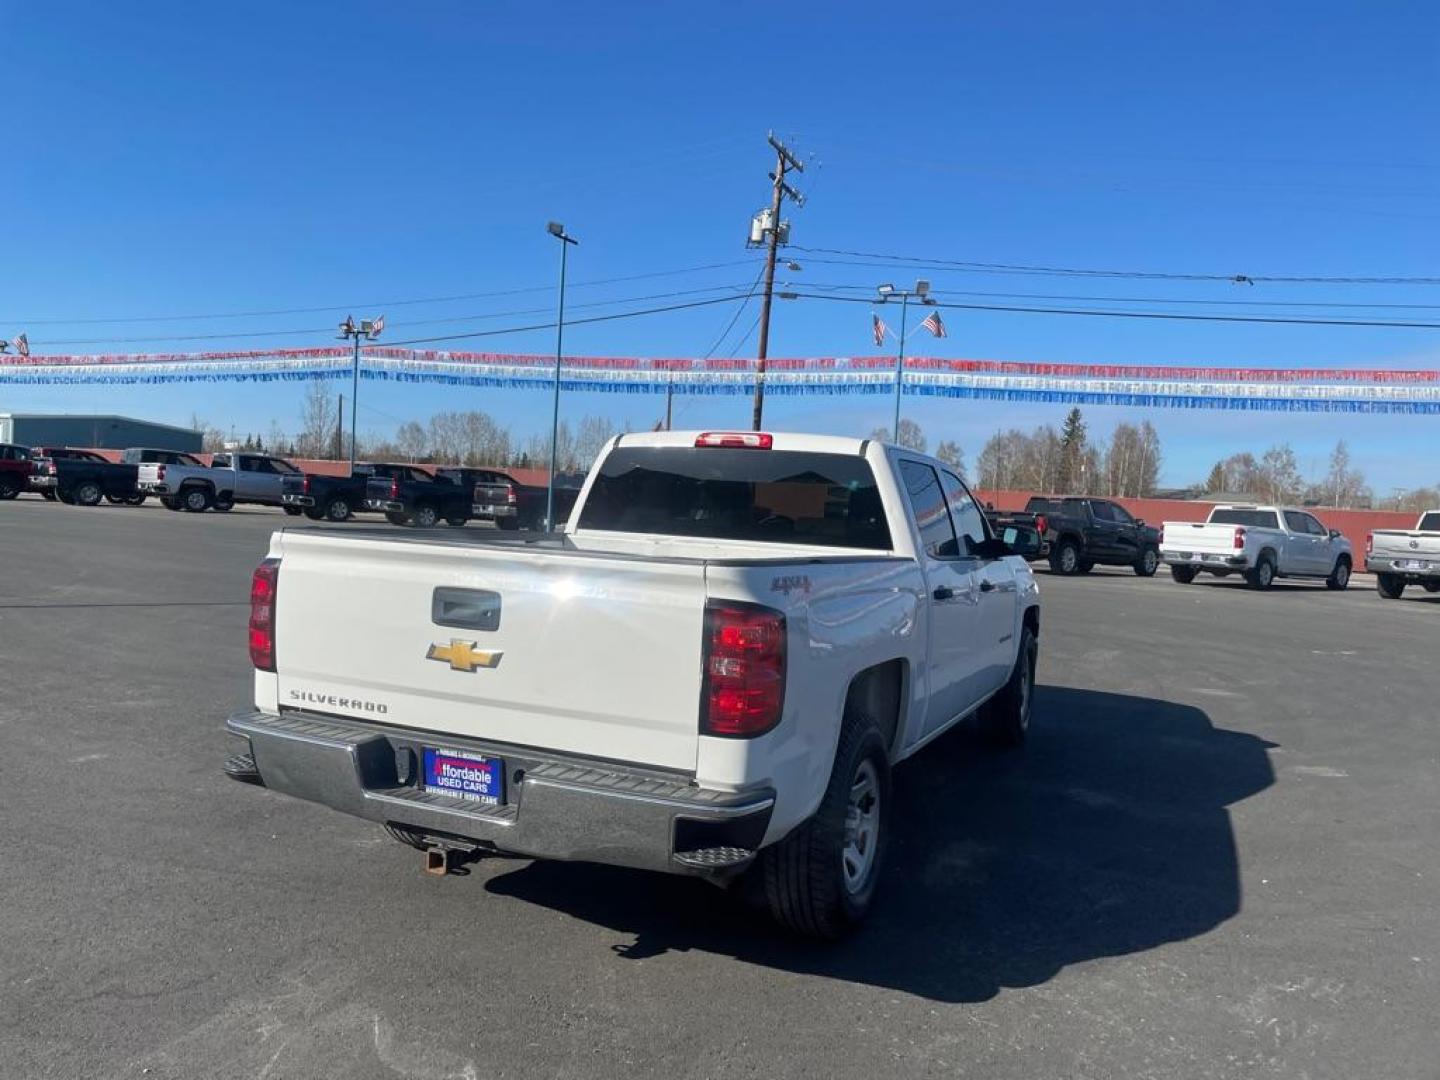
{"points": [[1139, 521], [1334, 534], [1013, 540]]}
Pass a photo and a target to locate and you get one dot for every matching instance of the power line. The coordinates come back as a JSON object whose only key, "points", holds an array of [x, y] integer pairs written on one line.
{"points": [[1175, 315], [422, 322], [373, 304], [1067, 271], [736, 317]]}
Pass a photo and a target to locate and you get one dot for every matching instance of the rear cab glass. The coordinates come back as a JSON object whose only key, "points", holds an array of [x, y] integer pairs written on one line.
{"points": [[1430, 522], [1252, 519], [720, 493]]}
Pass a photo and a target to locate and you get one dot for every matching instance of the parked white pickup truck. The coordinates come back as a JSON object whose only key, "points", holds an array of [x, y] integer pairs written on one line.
{"points": [[1398, 558], [227, 480], [710, 671], [1261, 542]]}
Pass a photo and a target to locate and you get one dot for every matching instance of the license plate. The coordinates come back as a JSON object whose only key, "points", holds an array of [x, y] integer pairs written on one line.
{"points": [[463, 775], [1414, 564]]}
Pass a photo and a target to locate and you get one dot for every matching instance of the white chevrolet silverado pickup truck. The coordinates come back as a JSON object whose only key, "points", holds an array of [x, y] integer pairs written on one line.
{"points": [[1400, 557], [1261, 542], [710, 671]]}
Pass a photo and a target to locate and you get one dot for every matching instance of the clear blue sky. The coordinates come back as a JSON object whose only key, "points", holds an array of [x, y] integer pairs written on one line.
{"points": [[180, 158]]}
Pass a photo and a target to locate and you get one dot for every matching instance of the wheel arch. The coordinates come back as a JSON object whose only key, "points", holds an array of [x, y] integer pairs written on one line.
{"points": [[880, 691]]}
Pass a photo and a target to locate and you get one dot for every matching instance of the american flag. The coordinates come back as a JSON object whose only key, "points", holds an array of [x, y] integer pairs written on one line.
{"points": [[934, 325], [22, 345], [379, 324], [879, 329]]}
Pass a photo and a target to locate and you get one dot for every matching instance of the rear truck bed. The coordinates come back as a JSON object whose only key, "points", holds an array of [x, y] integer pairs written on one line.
{"points": [[1412, 556], [1188, 543], [538, 698]]}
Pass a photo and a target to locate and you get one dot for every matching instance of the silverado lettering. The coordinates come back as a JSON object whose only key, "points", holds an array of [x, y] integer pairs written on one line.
{"points": [[312, 698]]}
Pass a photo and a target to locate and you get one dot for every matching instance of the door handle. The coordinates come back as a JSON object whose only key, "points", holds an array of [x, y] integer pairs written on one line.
{"points": [[986, 585], [944, 592]]}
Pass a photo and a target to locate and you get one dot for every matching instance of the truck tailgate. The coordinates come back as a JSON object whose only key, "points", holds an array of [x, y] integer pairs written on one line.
{"points": [[591, 655], [1182, 536], [1394, 543]]}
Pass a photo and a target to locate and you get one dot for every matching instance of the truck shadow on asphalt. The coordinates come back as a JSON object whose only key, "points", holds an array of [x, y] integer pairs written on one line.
{"points": [[1108, 834]]}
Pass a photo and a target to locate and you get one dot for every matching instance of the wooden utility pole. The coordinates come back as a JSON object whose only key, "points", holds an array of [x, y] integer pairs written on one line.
{"points": [[784, 161]]}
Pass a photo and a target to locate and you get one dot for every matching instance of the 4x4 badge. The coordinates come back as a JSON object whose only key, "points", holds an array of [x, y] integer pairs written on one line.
{"points": [[464, 656]]}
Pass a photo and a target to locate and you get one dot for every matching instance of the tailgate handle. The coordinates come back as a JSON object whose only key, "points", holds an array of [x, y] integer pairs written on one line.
{"points": [[467, 609]]}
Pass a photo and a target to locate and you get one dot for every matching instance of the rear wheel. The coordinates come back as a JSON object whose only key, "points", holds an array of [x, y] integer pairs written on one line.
{"points": [[1148, 563], [114, 500], [134, 500], [338, 509], [87, 493], [1339, 577], [1430, 586], [196, 499], [9, 487], [1005, 718], [1183, 574], [425, 516], [1263, 576], [1389, 586], [1065, 558], [820, 881]]}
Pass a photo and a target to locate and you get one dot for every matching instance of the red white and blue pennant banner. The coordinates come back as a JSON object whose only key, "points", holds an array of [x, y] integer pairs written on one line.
{"points": [[1153, 386]]}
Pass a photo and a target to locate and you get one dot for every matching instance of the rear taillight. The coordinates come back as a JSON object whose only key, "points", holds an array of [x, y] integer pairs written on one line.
{"points": [[511, 498], [1239, 541], [394, 487], [159, 472], [264, 584], [305, 484], [739, 440], [1040, 523], [744, 684], [1370, 543]]}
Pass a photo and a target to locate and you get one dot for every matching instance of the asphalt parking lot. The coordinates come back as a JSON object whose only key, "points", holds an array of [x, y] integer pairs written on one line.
{"points": [[1219, 856]]}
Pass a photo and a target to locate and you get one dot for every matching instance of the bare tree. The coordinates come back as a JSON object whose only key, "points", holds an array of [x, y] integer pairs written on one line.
{"points": [[411, 442], [316, 438], [950, 453], [912, 437], [1279, 477]]}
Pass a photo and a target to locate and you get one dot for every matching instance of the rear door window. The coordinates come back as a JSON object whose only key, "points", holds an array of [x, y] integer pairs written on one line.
{"points": [[932, 516]]}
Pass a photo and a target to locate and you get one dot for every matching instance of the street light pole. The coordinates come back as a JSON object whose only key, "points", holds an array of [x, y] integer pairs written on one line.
{"points": [[557, 230], [888, 292], [370, 330]]}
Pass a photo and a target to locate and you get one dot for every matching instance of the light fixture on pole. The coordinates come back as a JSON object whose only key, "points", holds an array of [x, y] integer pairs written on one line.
{"points": [[557, 230], [886, 293], [369, 330]]}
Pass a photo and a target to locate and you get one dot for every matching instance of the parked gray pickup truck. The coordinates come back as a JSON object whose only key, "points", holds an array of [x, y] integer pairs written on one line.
{"points": [[227, 480], [1398, 557]]}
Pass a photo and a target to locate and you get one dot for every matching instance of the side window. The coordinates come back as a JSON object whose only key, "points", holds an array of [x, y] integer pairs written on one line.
{"points": [[246, 464], [7, 453], [1120, 514], [222, 461], [1295, 521], [1313, 524], [969, 522], [927, 502], [1103, 511]]}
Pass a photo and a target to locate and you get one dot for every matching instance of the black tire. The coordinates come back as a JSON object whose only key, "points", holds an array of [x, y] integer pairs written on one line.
{"points": [[1148, 562], [1430, 586], [1183, 574], [408, 837], [9, 487], [806, 877], [224, 503], [292, 511], [314, 513], [137, 499], [65, 497], [338, 509], [509, 524], [196, 499], [457, 521], [1389, 586], [1065, 558], [1087, 565], [1340, 576], [425, 516], [1263, 576], [1005, 719], [169, 502], [114, 500], [87, 493], [396, 518]]}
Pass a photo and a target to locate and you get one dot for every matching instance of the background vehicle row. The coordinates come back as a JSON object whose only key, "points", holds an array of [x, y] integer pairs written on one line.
{"points": [[1078, 534], [1262, 543], [1398, 557]]}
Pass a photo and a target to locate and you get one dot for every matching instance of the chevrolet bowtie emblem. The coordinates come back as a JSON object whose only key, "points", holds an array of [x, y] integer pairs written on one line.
{"points": [[464, 656]]}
